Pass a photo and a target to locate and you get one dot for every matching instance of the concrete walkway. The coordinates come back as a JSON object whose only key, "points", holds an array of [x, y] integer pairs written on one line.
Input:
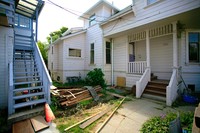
{"points": [[130, 117]]}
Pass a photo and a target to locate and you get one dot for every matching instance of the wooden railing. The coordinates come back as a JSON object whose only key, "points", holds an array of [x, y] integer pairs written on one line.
{"points": [[141, 84], [172, 88], [137, 67]]}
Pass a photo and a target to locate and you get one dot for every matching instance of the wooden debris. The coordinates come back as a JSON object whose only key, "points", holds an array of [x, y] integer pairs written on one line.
{"points": [[93, 119], [116, 95], [69, 97], [81, 121], [39, 123], [22, 127], [99, 129]]}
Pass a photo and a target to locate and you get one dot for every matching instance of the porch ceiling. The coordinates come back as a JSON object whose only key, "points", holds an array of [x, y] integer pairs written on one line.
{"points": [[28, 7], [190, 20]]}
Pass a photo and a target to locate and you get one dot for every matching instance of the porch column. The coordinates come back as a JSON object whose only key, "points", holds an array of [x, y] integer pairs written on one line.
{"points": [[175, 45], [147, 48]]}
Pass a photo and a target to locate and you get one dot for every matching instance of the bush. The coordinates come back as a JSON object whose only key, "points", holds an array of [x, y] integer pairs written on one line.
{"points": [[160, 124], [95, 77]]}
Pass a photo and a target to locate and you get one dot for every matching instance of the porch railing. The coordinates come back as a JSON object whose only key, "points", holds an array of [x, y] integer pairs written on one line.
{"points": [[137, 67], [172, 88]]}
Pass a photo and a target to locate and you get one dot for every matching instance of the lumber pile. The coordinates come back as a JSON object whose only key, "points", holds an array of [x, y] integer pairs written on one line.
{"points": [[69, 97]]}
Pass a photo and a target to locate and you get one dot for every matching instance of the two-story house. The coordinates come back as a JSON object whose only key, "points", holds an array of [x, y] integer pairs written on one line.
{"points": [[24, 79]]}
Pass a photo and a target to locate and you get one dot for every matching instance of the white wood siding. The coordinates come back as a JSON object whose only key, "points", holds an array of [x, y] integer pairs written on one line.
{"points": [[161, 56], [146, 14], [140, 51], [74, 66], [6, 56]]}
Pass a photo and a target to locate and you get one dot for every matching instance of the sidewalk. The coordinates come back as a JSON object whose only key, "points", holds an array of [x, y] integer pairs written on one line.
{"points": [[130, 117]]}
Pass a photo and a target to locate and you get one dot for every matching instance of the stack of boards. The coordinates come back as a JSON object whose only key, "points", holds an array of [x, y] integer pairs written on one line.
{"points": [[31, 125]]}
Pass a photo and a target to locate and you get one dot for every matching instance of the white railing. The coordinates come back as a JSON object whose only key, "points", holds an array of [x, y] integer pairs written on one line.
{"points": [[10, 92], [172, 88], [137, 67], [47, 82], [141, 84]]}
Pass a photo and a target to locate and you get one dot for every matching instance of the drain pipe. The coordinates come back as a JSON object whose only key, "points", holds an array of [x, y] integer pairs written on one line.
{"points": [[112, 62]]}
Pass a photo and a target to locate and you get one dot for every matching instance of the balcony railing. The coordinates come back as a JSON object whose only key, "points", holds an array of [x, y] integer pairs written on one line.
{"points": [[137, 67]]}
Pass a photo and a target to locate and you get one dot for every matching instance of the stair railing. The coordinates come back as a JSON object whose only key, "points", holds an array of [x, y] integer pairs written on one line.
{"points": [[142, 83], [46, 80], [11, 87], [172, 88]]}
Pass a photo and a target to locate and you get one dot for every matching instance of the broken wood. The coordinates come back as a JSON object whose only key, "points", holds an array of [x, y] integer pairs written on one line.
{"points": [[93, 119], [114, 94], [81, 121], [99, 129]]}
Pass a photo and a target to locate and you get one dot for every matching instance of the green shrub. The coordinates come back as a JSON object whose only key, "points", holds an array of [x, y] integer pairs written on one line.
{"points": [[95, 77], [160, 124]]}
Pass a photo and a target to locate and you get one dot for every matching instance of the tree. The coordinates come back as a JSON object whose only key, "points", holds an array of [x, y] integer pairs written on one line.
{"points": [[56, 34], [43, 49]]}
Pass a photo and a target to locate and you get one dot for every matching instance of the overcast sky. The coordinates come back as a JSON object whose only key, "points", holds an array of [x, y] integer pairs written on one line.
{"points": [[53, 18]]}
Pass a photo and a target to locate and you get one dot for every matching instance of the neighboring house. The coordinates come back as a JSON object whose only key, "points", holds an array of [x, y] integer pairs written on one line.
{"points": [[80, 50], [24, 79], [150, 39]]}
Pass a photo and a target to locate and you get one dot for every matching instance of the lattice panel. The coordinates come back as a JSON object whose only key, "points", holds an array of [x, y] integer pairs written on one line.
{"points": [[160, 31], [137, 36]]}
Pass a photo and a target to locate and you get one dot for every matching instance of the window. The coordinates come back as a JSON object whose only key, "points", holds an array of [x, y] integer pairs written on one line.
{"points": [[193, 45], [74, 52], [92, 20], [22, 21], [52, 50], [149, 2], [92, 53], [108, 53]]}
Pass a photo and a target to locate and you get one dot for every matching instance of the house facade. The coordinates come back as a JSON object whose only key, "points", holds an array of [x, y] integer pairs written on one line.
{"points": [[149, 37], [24, 79]]}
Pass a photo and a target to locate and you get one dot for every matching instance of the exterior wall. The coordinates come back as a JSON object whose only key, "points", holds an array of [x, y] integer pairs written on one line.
{"points": [[6, 56], [140, 51], [161, 56], [143, 14], [73, 66]]}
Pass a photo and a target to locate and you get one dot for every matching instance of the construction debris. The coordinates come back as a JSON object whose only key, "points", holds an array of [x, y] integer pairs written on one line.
{"points": [[68, 97]]}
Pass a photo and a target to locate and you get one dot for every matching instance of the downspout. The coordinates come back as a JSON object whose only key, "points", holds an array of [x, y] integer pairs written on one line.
{"points": [[112, 62]]}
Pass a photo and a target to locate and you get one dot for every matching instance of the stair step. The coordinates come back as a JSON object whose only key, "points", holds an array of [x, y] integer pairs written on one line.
{"points": [[157, 87], [25, 77], [153, 92], [159, 82], [153, 97], [24, 60], [19, 105], [28, 88], [32, 73], [29, 82], [28, 95]]}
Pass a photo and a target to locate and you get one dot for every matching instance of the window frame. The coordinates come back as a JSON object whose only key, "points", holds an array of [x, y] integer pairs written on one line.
{"points": [[75, 53], [92, 20], [92, 50], [19, 18], [110, 49], [187, 47]]}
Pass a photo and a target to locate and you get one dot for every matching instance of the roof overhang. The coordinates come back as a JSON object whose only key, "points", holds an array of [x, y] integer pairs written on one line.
{"points": [[28, 8]]}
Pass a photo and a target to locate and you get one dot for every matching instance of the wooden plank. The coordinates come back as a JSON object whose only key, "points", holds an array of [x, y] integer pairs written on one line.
{"points": [[93, 119], [99, 129], [116, 95], [39, 123], [22, 127]]}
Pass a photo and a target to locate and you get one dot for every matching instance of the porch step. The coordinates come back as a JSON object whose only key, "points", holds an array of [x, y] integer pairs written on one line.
{"points": [[30, 73], [29, 82], [28, 95], [154, 92], [26, 77], [24, 104], [28, 88], [153, 97]]}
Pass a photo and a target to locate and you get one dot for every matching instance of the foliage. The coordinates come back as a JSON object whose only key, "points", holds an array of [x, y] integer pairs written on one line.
{"points": [[3, 121], [43, 49], [56, 34], [95, 77], [159, 124], [54, 104]]}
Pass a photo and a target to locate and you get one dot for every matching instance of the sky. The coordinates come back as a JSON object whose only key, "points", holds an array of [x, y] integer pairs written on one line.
{"points": [[52, 18]]}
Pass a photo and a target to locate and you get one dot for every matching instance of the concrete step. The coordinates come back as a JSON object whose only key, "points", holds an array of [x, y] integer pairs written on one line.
{"points": [[153, 97]]}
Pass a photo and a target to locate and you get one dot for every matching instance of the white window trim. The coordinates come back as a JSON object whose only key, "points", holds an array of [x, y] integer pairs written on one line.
{"points": [[187, 47]]}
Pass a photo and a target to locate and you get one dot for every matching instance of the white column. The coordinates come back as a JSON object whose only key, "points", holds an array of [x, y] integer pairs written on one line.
{"points": [[147, 48], [175, 45]]}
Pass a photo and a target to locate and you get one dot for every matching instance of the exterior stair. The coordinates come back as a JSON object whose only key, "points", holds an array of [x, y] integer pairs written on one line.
{"points": [[156, 89]]}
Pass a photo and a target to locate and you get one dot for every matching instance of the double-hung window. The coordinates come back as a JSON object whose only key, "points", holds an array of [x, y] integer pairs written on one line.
{"points": [[194, 47], [92, 53], [92, 20], [108, 53]]}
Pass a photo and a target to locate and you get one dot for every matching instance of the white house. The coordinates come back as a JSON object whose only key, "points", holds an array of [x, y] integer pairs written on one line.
{"points": [[24, 79], [149, 37]]}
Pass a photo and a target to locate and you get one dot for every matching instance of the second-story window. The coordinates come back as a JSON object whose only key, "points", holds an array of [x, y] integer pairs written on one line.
{"points": [[92, 20], [149, 2], [21, 21]]}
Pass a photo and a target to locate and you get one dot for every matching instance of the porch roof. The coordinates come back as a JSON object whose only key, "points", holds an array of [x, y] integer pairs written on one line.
{"points": [[28, 8]]}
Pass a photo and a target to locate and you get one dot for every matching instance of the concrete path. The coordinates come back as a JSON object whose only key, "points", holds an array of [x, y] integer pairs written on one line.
{"points": [[130, 117]]}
